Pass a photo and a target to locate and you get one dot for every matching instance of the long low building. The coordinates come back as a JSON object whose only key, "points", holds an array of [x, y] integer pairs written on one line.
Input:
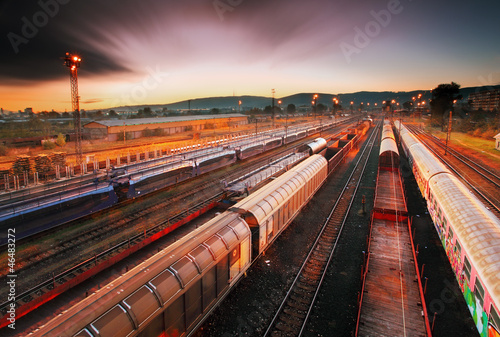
{"points": [[135, 128]]}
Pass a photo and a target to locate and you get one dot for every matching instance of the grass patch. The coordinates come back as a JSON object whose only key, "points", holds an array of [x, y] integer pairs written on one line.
{"points": [[484, 147]]}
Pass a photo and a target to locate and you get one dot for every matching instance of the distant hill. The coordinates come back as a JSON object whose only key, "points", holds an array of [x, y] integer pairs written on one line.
{"points": [[301, 99]]}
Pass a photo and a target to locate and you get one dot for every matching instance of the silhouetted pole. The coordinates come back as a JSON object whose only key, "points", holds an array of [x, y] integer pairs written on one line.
{"points": [[448, 134]]}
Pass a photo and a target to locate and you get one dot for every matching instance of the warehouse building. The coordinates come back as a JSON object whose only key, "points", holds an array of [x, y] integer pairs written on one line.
{"points": [[113, 130]]}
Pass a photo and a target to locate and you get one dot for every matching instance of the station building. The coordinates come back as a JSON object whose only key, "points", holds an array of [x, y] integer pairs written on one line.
{"points": [[141, 127]]}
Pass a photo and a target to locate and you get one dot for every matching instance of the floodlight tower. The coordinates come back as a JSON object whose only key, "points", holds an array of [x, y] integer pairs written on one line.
{"points": [[73, 63]]}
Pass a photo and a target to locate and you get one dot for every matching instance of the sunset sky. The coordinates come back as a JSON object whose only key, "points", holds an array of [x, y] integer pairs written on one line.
{"points": [[162, 51]]}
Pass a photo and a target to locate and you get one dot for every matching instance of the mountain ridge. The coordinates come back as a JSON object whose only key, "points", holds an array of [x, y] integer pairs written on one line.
{"points": [[299, 99]]}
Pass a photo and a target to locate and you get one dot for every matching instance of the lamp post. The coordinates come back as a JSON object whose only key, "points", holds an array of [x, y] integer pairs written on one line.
{"points": [[450, 121], [286, 124], [314, 103], [273, 91]]}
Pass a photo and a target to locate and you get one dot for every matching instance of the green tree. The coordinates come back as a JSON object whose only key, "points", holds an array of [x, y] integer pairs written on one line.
{"points": [[112, 114], [98, 114], [408, 105], [61, 140], [3, 150], [442, 100], [49, 145], [148, 112], [291, 108], [320, 108]]}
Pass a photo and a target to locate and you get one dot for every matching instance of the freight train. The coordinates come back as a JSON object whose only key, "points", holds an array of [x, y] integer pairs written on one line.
{"points": [[133, 180], [469, 233], [172, 292]]}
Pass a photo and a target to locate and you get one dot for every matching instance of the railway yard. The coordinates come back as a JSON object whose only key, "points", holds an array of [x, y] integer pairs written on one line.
{"points": [[265, 235]]}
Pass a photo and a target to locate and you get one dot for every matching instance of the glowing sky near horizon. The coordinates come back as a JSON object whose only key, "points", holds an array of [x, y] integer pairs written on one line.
{"points": [[159, 51]]}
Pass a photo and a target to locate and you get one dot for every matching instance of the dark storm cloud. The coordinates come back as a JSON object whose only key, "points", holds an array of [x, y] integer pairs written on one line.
{"points": [[117, 36], [36, 34]]}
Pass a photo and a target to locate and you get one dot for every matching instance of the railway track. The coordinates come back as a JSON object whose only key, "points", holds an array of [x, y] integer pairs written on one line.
{"points": [[484, 182], [43, 260], [31, 263], [293, 313]]}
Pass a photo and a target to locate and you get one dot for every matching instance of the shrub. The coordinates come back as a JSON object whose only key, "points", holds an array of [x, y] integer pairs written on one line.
{"points": [[3, 150], [159, 132], [61, 140], [49, 145]]}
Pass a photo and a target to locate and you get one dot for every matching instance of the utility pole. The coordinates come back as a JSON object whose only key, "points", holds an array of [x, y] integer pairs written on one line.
{"points": [[448, 135], [273, 91], [73, 63]]}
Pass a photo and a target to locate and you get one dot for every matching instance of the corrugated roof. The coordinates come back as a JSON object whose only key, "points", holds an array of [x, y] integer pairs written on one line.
{"points": [[159, 120]]}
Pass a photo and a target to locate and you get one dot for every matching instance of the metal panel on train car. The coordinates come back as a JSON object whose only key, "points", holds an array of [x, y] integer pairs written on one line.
{"points": [[142, 303], [210, 164], [241, 228], [251, 151], [186, 269], [114, 323], [228, 236], [273, 144], [202, 257], [216, 245], [166, 284], [83, 333]]}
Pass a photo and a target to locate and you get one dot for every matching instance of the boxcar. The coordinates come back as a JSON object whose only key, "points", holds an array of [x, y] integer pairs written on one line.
{"points": [[170, 292]]}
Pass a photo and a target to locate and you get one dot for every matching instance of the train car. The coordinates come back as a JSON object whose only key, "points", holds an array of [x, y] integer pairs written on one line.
{"points": [[313, 130], [169, 293], [248, 151], [289, 138], [301, 134], [409, 138], [318, 145], [337, 151], [273, 143], [423, 163], [387, 132], [389, 153], [269, 210], [144, 182], [469, 233], [213, 162]]}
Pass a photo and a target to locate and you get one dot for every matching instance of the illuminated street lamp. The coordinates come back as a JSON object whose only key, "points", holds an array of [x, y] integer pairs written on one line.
{"points": [[315, 100], [239, 106], [335, 104]]}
